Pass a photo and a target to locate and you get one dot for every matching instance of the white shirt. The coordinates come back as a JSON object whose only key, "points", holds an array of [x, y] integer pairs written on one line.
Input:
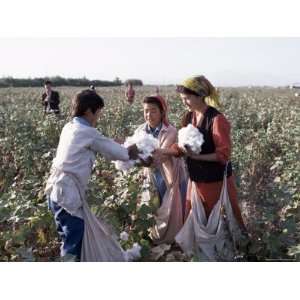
{"points": [[75, 155]]}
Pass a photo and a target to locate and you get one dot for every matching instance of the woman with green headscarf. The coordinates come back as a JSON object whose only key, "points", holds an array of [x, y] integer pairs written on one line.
{"points": [[207, 172]]}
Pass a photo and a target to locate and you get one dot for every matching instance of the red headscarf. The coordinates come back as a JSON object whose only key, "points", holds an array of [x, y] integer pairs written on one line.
{"points": [[164, 105]]}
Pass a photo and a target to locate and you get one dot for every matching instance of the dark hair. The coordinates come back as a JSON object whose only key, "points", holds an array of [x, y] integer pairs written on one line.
{"points": [[153, 100], [48, 82], [186, 118], [84, 100], [183, 90]]}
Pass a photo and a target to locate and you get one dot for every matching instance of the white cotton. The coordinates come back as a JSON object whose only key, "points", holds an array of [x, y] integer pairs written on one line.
{"points": [[133, 253], [145, 143], [124, 236], [124, 165], [192, 137]]}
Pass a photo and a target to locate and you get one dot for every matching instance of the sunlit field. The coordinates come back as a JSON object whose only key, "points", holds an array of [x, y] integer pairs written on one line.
{"points": [[265, 138]]}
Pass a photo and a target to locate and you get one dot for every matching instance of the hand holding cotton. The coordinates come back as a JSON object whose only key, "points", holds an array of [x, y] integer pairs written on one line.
{"points": [[146, 144], [192, 137]]}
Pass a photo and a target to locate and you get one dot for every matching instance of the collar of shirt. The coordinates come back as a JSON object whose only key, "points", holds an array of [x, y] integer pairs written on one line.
{"points": [[154, 131], [82, 121]]}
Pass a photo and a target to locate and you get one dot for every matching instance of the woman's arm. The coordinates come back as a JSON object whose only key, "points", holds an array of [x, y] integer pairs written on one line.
{"points": [[171, 151], [166, 150], [203, 157]]}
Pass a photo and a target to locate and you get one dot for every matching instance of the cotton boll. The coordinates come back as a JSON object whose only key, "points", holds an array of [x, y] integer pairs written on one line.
{"points": [[192, 137], [124, 165], [133, 253], [145, 143], [124, 236]]}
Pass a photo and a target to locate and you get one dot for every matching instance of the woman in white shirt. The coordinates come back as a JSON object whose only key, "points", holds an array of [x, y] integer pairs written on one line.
{"points": [[71, 169]]}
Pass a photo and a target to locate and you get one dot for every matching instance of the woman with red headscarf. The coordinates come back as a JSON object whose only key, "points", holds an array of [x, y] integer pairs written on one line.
{"points": [[167, 174], [130, 93]]}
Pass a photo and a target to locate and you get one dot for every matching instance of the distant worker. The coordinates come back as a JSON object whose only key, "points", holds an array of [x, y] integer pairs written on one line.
{"points": [[157, 91], [130, 93], [50, 99]]}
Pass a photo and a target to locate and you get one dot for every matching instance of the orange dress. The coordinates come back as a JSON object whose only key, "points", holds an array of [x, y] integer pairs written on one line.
{"points": [[210, 192]]}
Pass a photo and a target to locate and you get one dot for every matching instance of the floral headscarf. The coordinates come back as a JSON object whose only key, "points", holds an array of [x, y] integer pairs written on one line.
{"points": [[202, 87]]}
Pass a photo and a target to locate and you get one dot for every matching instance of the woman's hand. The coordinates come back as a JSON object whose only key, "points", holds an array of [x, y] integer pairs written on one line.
{"points": [[146, 162], [160, 155], [189, 153], [204, 157]]}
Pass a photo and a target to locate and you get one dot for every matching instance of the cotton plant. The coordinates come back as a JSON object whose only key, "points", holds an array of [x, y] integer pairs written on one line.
{"points": [[145, 143], [190, 136], [132, 253]]}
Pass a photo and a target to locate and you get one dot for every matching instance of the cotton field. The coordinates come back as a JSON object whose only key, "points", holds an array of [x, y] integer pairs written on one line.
{"points": [[265, 138]]}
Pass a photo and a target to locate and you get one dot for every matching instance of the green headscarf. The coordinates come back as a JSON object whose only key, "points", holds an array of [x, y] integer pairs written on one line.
{"points": [[201, 86]]}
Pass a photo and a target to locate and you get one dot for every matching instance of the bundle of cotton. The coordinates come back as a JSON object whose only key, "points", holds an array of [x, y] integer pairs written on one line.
{"points": [[146, 144], [192, 137]]}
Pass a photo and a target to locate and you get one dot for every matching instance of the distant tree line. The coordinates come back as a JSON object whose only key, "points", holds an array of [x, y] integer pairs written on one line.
{"points": [[136, 82], [60, 81]]}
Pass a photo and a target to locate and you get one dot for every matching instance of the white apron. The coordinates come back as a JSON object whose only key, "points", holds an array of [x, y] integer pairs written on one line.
{"points": [[212, 239]]}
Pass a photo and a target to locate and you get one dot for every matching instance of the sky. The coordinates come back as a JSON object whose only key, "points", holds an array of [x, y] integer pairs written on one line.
{"points": [[225, 61]]}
